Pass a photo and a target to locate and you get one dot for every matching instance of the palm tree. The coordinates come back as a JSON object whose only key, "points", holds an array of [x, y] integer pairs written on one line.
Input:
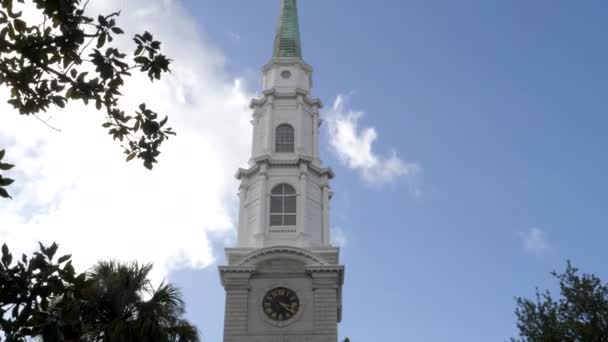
{"points": [[122, 306]]}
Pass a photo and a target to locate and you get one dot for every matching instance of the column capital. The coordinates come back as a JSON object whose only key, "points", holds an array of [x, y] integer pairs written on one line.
{"points": [[303, 166], [326, 276], [264, 169], [236, 278]]}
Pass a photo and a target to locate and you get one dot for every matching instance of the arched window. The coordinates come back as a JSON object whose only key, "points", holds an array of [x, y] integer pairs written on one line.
{"points": [[284, 138], [283, 205]]}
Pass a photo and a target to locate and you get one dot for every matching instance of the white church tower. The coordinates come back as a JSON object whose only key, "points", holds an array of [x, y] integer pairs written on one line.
{"points": [[283, 280]]}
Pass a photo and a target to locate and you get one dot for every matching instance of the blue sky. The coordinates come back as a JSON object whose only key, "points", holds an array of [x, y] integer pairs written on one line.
{"points": [[499, 105], [502, 104]]}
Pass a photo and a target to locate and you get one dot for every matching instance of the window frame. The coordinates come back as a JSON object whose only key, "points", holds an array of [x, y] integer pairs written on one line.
{"points": [[286, 194], [284, 143]]}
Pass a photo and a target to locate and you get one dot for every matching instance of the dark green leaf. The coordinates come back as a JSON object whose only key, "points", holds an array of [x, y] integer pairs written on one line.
{"points": [[15, 311], [117, 30], [81, 278], [44, 304], [64, 259], [102, 21], [42, 248], [141, 60], [59, 102], [4, 193], [81, 77], [101, 41], [2, 152], [69, 269], [7, 258], [11, 32], [20, 25], [164, 121], [50, 253], [69, 94], [6, 167], [138, 51], [6, 181], [5, 250]]}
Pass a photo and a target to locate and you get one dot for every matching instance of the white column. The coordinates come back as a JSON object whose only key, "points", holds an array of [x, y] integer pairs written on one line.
{"points": [[261, 229], [315, 137], [242, 236], [326, 215], [269, 129], [300, 129], [256, 131], [302, 201]]}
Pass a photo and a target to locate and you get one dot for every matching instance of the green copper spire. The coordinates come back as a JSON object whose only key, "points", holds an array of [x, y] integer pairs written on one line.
{"points": [[287, 41]]}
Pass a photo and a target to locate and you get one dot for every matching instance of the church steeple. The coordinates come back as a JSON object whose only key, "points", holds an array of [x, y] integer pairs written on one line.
{"points": [[287, 40], [283, 280]]}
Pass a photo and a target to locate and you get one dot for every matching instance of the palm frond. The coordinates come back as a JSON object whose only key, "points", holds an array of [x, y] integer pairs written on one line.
{"points": [[124, 307]]}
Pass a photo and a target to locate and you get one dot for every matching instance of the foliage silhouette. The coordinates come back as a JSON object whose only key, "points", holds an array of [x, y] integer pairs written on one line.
{"points": [[68, 56], [115, 302], [580, 314]]}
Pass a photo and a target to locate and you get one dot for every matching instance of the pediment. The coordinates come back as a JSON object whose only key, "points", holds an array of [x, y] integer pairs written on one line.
{"points": [[284, 253], [281, 266]]}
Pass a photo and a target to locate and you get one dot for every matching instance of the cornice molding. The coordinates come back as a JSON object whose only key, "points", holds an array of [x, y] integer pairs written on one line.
{"points": [[287, 61], [327, 274], [272, 94], [266, 159], [284, 251], [237, 269], [325, 268], [236, 278]]}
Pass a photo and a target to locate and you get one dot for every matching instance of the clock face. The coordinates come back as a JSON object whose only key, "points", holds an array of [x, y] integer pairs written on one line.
{"points": [[280, 304]]}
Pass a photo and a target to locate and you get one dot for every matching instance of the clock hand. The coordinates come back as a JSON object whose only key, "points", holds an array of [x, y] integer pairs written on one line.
{"points": [[285, 306], [288, 308]]}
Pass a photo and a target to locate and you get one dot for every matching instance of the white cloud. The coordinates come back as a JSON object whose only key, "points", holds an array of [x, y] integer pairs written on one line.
{"points": [[74, 187], [338, 237], [234, 36], [535, 241], [354, 146]]}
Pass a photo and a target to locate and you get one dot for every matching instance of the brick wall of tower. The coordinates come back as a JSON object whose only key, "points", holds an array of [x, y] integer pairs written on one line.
{"points": [[326, 312], [318, 289], [235, 319]]}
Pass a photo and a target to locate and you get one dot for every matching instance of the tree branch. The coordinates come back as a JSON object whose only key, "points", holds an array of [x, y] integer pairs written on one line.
{"points": [[45, 122]]}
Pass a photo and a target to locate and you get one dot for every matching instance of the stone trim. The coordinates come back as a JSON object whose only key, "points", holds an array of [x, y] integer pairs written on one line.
{"points": [[266, 159], [275, 251], [325, 271], [237, 269], [286, 61], [236, 278], [271, 94]]}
